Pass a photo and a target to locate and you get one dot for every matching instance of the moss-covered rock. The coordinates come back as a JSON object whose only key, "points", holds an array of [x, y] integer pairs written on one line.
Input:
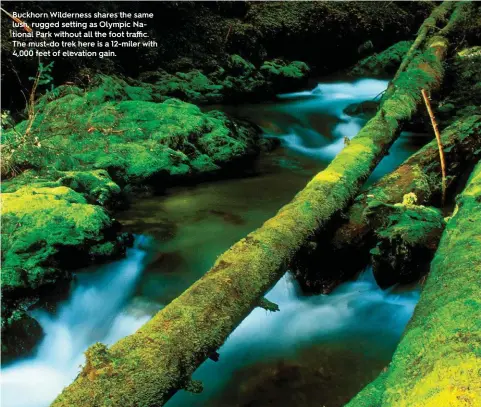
{"points": [[406, 242], [46, 231], [104, 128], [383, 63], [37, 223], [322, 375], [238, 80]]}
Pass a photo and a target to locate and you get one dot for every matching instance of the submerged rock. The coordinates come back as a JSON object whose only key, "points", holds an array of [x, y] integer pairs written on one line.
{"points": [[319, 375], [364, 110], [407, 241], [20, 334]]}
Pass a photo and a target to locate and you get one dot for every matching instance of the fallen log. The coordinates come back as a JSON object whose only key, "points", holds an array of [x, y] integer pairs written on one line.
{"points": [[437, 362], [427, 27], [348, 247], [145, 369]]}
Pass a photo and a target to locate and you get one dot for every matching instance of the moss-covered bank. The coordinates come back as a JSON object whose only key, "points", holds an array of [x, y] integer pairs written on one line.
{"points": [[438, 361], [119, 128]]}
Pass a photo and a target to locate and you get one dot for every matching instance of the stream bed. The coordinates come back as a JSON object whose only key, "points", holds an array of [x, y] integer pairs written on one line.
{"points": [[318, 350]]}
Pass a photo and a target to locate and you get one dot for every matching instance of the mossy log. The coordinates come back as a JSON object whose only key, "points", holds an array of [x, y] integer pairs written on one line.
{"points": [[437, 362], [428, 26], [146, 368], [348, 247]]}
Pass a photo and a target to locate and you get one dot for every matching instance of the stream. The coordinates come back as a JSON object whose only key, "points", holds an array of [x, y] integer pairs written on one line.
{"points": [[317, 351]]}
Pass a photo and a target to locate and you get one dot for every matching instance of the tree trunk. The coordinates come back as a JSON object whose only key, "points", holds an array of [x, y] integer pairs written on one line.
{"points": [[420, 174], [145, 369], [437, 362]]}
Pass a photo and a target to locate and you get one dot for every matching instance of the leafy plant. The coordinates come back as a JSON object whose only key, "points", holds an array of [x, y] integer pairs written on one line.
{"points": [[18, 148]]}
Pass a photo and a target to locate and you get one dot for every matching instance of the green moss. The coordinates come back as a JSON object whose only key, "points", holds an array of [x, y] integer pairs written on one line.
{"points": [[36, 223], [382, 63], [406, 241], [438, 359], [134, 140], [238, 80]]}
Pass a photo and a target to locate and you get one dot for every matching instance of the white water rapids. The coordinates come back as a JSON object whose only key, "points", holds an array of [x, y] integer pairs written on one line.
{"points": [[93, 313]]}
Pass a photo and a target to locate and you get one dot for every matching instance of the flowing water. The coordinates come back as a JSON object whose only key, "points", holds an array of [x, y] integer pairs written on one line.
{"points": [[316, 351]]}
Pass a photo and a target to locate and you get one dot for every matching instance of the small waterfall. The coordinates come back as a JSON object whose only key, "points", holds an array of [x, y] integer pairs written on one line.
{"points": [[92, 314], [329, 99]]}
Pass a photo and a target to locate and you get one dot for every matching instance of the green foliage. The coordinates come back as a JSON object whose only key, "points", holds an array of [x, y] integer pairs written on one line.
{"points": [[21, 144], [6, 120], [44, 76]]}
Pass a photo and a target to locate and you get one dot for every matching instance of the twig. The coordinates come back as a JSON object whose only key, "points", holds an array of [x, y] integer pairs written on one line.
{"points": [[228, 33], [438, 138], [18, 21]]}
